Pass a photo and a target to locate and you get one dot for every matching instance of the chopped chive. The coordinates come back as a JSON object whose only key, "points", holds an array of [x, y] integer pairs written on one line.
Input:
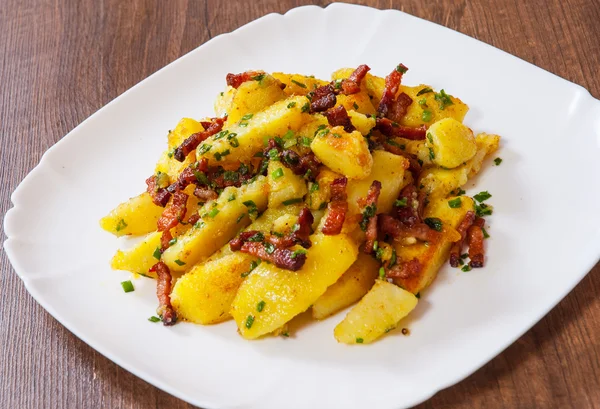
{"points": [[355, 105], [314, 187], [464, 256], [291, 201], [231, 197], [306, 141], [240, 217], [257, 237], [381, 273], [466, 268], [434, 223], [269, 248], [401, 68], [424, 91], [485, 233], [298, 252], [179, 262], [455, 203], [443, 99], [498, 161], [172, 241], [401, 202], [157, 253], [247, 117], [121, 225], [431, 154], [305, 107], [204, 148], [482, 196], [260, 306], [291, 104], [127, 286], [277, 173], [154, 319], [213, 212], [426, 116], [359, 340], [249, 321], [300, 84], [323, 205]]}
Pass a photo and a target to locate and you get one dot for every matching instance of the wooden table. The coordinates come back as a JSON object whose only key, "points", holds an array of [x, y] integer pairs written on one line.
{"points": [[63, 60]]}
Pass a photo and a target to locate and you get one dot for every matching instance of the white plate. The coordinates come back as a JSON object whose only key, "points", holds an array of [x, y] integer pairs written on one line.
{"points": [[545, 230]]}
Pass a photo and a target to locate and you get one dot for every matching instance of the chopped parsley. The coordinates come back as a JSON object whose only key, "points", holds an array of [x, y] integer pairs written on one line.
{"points": [[424, 91], [127, 286], [482, 196], [482, 210], [260, 306], [434, 223], [455, 203], [300, 84], [443, 99], [292, 201], [179, 262], [498, 161], [121, 225]]}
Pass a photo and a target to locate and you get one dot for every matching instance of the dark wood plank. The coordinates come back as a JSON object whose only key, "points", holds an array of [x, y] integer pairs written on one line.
{"points": [[60, 61]]}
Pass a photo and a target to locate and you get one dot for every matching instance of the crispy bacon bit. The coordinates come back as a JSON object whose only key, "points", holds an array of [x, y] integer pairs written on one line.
{"points": [[338, 206], [392, 83], [194, 140], [411, 210], [299, 235], [165, 238], [476, 249], [235, 80], [160, 196], [415, 166], [463, 227], [399, 107], [307, 165], [338, 116], [193, 219], [351, 85], [163, 291], [369, 220], [394, 228], [322, 98], [173, 213], [205, 194], [405, 269], [392, 129], [260, 245]]}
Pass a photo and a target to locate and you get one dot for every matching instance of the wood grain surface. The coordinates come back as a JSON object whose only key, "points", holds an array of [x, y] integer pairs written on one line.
{"points": [[60, 61]]}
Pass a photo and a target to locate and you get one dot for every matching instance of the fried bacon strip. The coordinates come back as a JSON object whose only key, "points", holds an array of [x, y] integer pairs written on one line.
{"points": [[299, 235], [165, 238], [394, 228], [370, 216], [163, 291], [399, 107], [322, 98], [392, 129], [255, 243], [475, 239], [351, 85], [307, 165], [160, 196], [338, 116], [411, 212], [194, 140], [205, 194], [392, 83], [462, 228], [173, 213], [338, 206], [405, 269], [235, 80]]}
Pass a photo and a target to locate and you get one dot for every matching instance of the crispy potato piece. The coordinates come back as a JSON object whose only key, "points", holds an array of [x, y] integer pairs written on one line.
{"points": [[221, 219], [359, 102], [361, 122], [377, 313], [224, 100], [252, 97], [288, 293], [450, 143], [343, 152], [275, 120], [297, 84], [440, 182], [140, 258], [351, 287], [286, 186], [433, 255], [414, 115], [321, 194], [135, 217]]}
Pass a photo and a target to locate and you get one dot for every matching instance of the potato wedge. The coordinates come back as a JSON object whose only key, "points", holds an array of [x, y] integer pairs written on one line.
{"points": [[285, 186], [351, 287], [169, 165], [252, 97], [377, 313], [275, 120], [220, 220], [285, 294], [135, 217], [140, 258]]}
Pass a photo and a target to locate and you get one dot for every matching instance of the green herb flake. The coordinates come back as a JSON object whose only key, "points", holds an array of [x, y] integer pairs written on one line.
{"points": [[485, 233], [121, 225], [443, 99], [355, 105], [154, 319], [179, 262], [424, 91], [434, 223], [240, 217], [249, 321], [323, 206], [401, 68], [418, 295], [258, 237], [382, 273], [464, 256], [260, 306], [498, 161], [234, 142], [298, 252], [127, 286], [393, 259], [172, 241], [291, 201], [247, 117], [483, 210], [429, 137], [204, 148], [259, 77], [314, 187], [359, 340], [369, 212], [482, 196], [396, 144], [273, 154], [300, 84], [423, 103], [426, 115], [431, 154], [213, 212], [285, 334], [466, 268], [455, 203], [231, 197], [305, 141], [305, 108], [291, 104], [269, 247], [157, 253], [277, 173], [401, 202]]}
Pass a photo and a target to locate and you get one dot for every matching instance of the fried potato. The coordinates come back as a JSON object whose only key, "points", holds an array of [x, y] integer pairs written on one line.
{"points": [[450, 143], [169, 165], [362, 123], [285, 186], [283, 294], [135, 217], [377, 313], [140, 258], [343, 152], [297, 84], [252, 97]]}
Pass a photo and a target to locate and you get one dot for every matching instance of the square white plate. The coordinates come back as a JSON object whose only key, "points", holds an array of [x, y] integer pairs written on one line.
{"points": [[538, 251]]}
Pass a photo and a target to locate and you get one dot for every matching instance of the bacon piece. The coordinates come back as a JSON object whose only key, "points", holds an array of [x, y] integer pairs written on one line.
{"points": [[414, 167], [163, 291], [476, 249], [392, 83], [390, 226], [194, 140], [351, 85], [338, 116], [392, 129], [300, 165], [322, 98], [338, 206], [165, 238], [235, 80], [463, 227], [411, 213], [193, 219], [369, 220], [259, 245], [160, 196], [173, 213], [405, 270], [399, 107], [205, 194], [299, 235]]}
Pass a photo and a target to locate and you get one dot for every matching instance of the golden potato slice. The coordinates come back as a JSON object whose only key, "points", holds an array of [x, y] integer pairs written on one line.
{"points": [[285, 186], [431, 106], [351, 287], [252, 97], [140, 258], [271, 296], [224, 100], [298, 84], [343, 152], [377, 313], [136, 216], [450, 143], [362, 123], [169, 165]]}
